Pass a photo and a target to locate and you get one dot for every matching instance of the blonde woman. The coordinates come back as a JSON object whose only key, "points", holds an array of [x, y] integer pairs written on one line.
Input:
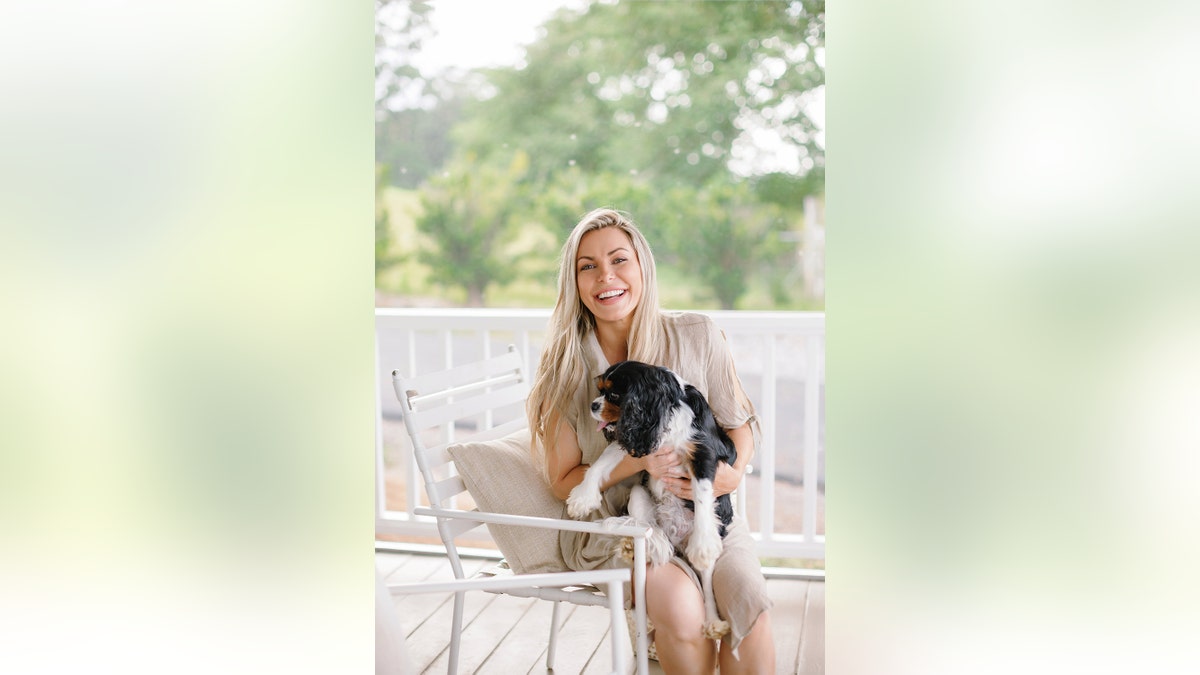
{"points": [[607, 311]]}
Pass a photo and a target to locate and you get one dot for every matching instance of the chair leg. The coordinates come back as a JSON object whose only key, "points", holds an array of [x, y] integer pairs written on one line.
{"points": [[456, 632], [639, 593], [618, 631], [553, 637]]}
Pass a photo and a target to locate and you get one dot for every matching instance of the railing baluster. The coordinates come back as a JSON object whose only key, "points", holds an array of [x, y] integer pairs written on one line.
{"points": [[527, 353], [448, 339], [766, 522], [380, 469], [487, 354], [812, 381], [412, 473]]}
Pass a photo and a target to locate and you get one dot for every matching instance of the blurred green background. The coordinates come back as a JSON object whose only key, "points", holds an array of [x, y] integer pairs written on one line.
{"points": [[700, 119]]}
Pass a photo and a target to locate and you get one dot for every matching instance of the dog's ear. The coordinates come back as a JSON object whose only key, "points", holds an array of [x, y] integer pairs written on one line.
{"points": [[644, 411]]}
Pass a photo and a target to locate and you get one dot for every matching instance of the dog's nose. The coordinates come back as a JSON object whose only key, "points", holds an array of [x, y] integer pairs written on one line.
{"points": [[595, 406]]}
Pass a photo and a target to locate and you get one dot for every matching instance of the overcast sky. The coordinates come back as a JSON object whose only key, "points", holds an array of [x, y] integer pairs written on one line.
{"points": [[475, 33]]}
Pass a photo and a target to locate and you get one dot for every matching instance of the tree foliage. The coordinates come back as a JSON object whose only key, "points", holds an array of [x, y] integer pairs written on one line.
{"points": [[468, 214], [656, 108], [665, 90], [400, 28], [385, 257]]}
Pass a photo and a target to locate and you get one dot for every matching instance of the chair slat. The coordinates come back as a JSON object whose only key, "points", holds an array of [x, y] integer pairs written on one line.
{"points": [[438, 455], [501, 430], [447, 488], [424, 419], [457, 526], [424, 400], [431, 383]]}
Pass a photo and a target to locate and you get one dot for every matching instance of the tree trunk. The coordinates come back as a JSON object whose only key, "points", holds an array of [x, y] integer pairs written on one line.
{"points": [[474, 296]]}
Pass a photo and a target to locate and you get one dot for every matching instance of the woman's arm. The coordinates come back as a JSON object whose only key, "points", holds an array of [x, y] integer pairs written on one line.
{"points": [[728, 477], [566, 468]]}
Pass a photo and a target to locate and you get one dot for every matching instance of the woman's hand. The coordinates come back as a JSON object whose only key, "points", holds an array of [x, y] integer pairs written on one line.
{"points": [[727, 480], [662, 463], [664, 466]]}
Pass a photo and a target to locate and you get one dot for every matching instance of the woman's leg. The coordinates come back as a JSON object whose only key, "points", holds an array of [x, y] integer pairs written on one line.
{"points": [[742, 599], [676, 607], [756, 653]]}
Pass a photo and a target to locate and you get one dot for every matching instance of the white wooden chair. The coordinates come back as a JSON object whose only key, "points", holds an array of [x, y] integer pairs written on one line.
{"points": [[472, 391]]}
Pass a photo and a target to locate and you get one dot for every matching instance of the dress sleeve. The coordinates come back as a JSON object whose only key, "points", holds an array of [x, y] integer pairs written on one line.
{"points": [[730, 404]]}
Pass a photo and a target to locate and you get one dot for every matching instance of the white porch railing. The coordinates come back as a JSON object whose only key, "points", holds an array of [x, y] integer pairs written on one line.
{"points": [[780, 357]]}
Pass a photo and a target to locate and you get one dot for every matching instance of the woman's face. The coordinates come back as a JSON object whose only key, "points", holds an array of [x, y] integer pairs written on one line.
{"points": [[608, 274]]}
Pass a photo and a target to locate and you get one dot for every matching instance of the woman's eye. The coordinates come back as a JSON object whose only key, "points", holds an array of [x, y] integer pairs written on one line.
{"points": [[617, 261], [586, 267]]}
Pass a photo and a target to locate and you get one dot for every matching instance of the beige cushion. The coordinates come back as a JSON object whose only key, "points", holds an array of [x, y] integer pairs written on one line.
{"points": [[502, 478]]}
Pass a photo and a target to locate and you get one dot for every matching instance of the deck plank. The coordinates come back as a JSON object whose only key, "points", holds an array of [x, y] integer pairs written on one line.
{"points": [[504, 635], [787, 621], [432, 638], [581, 634], [525, 647], [811, 659], [484, 634], [426, 617], [601, 663], [388, 563], [414, 610]]}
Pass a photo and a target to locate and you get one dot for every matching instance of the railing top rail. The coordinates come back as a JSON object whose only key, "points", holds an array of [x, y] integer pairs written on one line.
{"points": [[498, 317], [462, 312]]}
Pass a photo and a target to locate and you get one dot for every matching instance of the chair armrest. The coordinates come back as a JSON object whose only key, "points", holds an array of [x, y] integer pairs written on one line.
{"points": [[556, 579], [595, 527]]}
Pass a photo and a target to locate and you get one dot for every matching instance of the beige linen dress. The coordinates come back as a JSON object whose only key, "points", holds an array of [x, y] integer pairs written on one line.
{"points": [[698, 352]]}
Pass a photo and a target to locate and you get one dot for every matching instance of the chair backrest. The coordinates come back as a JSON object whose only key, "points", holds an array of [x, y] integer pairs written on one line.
{"points": [[446, 399]]}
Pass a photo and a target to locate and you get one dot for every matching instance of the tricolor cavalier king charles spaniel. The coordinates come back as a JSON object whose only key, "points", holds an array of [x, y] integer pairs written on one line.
{"points": [[640, 409]]}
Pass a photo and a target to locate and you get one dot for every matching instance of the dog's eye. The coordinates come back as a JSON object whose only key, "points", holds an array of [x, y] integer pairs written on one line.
{"points": [[612, 397]]}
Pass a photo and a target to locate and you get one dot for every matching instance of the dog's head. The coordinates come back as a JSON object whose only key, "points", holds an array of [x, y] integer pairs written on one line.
{"points": [[634, 404]]}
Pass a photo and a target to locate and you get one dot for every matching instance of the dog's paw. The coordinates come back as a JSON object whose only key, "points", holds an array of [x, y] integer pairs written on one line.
{"points": [[702, 552], [658, 549], [582, 501], [625, 549], [714, 630]]}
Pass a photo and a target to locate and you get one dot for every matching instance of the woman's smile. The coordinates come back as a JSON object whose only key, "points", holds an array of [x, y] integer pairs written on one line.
{"points": [[611, 296], [608, 274]]}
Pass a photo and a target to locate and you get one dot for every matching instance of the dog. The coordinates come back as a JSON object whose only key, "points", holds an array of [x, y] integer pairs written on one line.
{"points": [[641, 408]]}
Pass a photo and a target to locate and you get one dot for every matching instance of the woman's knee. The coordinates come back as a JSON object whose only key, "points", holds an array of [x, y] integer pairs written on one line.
{"points": [[674, 603]]}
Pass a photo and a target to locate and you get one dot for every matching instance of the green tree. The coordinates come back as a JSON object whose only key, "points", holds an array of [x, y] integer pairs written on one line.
{"points": [[469, 215], [723, 237], [385, 257], [666, 91], [413, 111], [651, 107]]}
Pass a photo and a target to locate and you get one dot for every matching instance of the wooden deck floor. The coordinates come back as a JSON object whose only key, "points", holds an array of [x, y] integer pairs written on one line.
{"points": [[491, 645]]}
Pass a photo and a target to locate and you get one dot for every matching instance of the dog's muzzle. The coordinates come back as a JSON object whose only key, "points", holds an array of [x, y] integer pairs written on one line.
{"points": [[609, 428]]}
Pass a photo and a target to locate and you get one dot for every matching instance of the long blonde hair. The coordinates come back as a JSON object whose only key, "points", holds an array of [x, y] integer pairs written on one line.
{"points": [[563, 367]]}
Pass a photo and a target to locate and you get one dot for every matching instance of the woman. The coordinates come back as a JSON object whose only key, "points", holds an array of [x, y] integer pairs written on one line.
{"points": [[607, 311]]}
